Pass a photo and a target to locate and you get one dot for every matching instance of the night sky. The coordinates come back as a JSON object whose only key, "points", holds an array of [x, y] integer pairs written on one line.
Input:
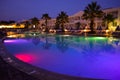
{"points": [[25, 9]]}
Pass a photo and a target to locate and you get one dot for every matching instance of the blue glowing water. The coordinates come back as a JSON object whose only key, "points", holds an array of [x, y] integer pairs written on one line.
{"points": [[91, 57]]}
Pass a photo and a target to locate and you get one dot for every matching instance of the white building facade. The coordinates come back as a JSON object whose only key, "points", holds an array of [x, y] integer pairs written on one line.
{"points": [[77, 18]]}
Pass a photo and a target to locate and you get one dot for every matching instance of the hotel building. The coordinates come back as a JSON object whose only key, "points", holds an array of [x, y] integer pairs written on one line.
{"points": [[77, 18]]}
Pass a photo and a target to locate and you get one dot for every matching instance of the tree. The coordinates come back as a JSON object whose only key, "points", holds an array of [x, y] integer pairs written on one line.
{"points": [[61, 19], [35, 22], [46, 17], [108, 18], [91, 12], [27, 24], [57, 25], [11, 22], [4, 22]]}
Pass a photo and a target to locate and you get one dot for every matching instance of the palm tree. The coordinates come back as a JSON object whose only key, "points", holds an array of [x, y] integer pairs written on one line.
{"points": [[91, 12], [46, 17], [57, 25], [61, 19], [108, 19], [35, 22]]}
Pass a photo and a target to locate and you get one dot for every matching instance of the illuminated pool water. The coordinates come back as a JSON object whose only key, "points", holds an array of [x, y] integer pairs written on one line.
{"points": [[90, 57]]}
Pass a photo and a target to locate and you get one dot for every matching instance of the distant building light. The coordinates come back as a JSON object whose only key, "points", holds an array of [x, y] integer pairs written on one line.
{"points": [[107, 31], [6, 26], [11, 26], [33, 26], [65, 30]]}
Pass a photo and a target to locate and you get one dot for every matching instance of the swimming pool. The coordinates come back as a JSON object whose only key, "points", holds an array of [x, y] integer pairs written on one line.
{"points": [[90, 57]]}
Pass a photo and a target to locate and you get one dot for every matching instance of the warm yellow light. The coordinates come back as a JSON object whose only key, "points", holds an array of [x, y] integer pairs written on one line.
{"points": [[65, 30], [43, 30], [111, 28], [107, 31], [12, 36], [6, 26], [12, 26], [16, 35], [10, 33], [52, 30], [33, 26], [85, 30]]}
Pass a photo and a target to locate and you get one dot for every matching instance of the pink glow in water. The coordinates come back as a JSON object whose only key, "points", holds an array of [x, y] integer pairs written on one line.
{"points": [[25, 57]]}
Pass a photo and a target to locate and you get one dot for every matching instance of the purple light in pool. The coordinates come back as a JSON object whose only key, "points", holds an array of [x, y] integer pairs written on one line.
{"points": [[13, 41], [9, 41]]}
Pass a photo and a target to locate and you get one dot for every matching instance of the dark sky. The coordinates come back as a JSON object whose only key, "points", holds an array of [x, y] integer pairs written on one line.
{"points": [[25, 9]]}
